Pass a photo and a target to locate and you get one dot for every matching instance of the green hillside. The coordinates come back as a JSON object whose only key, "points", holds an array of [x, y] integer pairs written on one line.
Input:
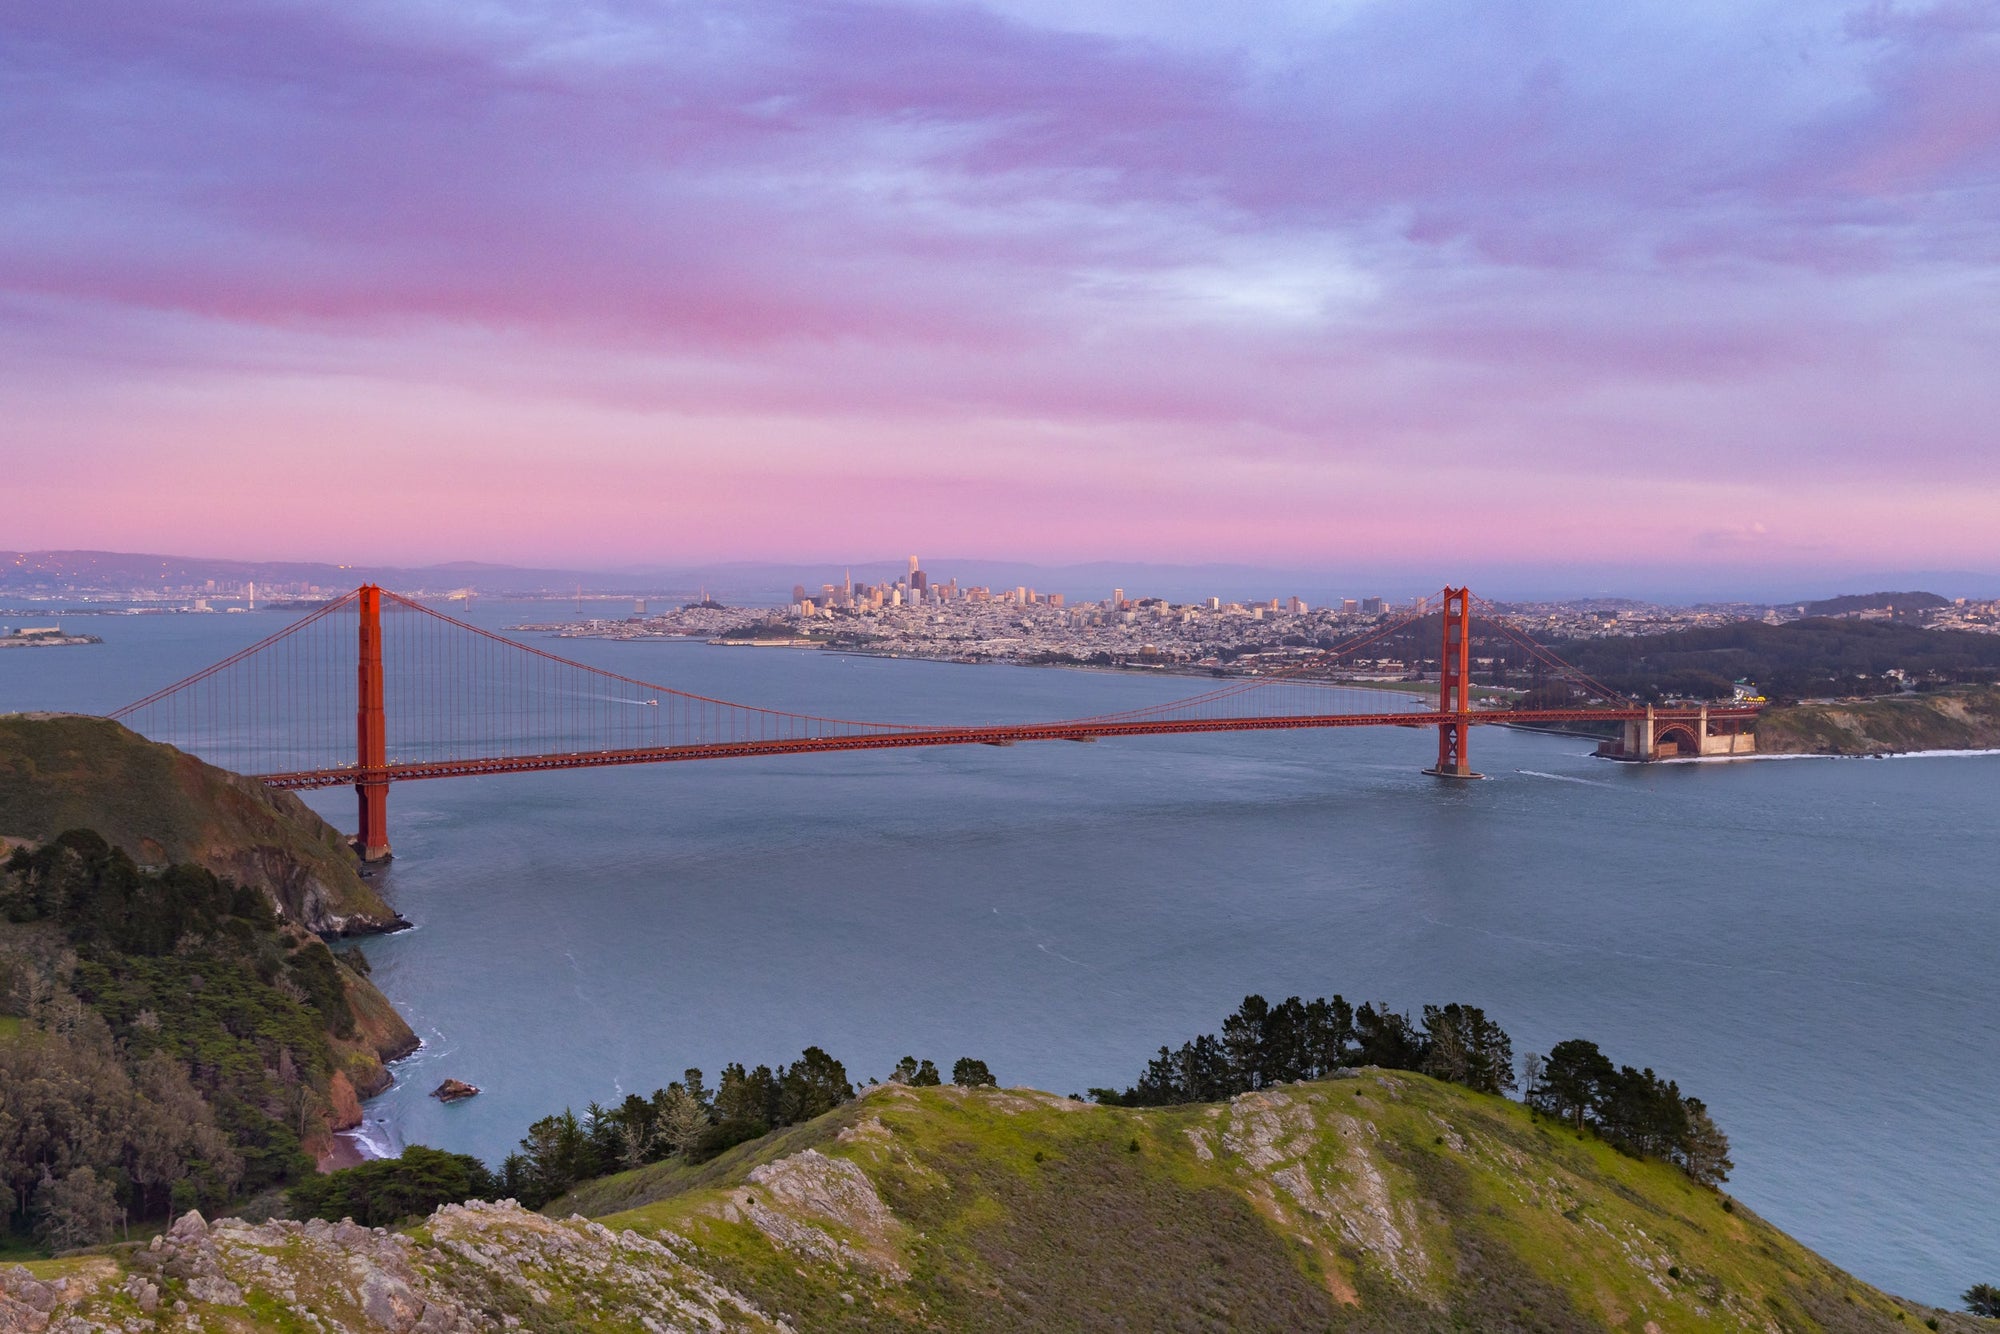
{"points": [[1964, 718], [1376, 1201], [105, 964], [69, 771]]}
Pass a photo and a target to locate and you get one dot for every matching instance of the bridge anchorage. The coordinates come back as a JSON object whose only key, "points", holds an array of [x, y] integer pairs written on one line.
{"points": [[374, 688]]}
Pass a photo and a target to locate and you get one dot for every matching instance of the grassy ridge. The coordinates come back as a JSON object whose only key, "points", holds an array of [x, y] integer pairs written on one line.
{"points": [[1382, 1202], [1373, 1202]]}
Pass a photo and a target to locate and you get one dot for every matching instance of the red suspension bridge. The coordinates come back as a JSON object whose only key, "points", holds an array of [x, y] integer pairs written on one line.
{"points": [[375, 688]]}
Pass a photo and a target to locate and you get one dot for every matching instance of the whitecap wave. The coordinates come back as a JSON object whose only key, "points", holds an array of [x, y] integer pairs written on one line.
{"points": [[1881, 755], [374, 1139]]}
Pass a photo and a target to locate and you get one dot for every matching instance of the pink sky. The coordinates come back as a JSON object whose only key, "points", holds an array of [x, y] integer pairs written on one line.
{"points": [[1555, 283]]}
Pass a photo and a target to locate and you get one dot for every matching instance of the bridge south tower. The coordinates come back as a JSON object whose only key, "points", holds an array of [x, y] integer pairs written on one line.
{"points": [[371, 751], [1455, 686]]}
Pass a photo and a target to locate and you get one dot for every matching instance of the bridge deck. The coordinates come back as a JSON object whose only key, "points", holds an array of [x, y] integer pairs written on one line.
{"points": [[994, 735]]}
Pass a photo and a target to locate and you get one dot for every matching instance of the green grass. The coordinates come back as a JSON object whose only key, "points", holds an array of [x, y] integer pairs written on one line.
{"points": [[664, 1180]]}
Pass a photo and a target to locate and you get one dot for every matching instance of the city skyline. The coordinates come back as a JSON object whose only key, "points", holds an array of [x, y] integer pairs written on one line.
{"points": [[1674, 292]]}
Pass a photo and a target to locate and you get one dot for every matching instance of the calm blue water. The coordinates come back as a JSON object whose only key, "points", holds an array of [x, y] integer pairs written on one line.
{"points": [[1808, 945]]}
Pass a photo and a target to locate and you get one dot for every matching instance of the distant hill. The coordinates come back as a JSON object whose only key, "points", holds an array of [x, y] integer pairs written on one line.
{"points": [[1898, 604], [1378, 1202], [73, 572]]}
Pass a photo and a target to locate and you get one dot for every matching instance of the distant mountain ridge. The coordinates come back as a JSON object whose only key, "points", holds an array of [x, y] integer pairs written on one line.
{"points": [[1900, 604], [73, 571]]}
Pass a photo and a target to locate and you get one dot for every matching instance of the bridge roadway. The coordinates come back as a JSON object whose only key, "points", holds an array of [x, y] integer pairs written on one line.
{"points": [[992, 735]]}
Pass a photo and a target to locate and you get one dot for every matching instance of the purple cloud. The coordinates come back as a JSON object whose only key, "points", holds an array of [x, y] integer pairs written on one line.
{"points": [[1587, 242]]}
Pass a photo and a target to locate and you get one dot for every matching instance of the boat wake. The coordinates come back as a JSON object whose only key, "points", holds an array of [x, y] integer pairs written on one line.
{"points": [[1564, 778]]}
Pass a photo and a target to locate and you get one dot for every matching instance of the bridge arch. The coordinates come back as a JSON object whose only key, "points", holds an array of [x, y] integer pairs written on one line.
{"points": [[1684, 737]]}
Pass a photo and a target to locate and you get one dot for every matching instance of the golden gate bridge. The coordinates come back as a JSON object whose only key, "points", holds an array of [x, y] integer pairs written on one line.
{"points": [[375, 688]]}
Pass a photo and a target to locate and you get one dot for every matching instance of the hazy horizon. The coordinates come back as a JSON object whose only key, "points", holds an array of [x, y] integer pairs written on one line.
{"points": [[772, 578]]}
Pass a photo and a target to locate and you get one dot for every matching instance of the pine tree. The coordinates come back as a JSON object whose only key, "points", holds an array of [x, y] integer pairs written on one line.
{"points": [[968, 1073], [1575, 1077], [1704, 1154]]}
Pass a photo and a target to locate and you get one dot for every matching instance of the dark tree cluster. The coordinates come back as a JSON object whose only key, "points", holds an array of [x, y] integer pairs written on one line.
{"points": [[1801, 659], [389, 1190], [685, 1119], [761, 630], [1264, 1044], [99, 896], [915, 1073], [1634, 1110], [173, 1055], [965, 1073]]}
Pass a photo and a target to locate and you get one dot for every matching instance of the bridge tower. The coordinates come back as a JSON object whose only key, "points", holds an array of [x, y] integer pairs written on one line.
{"points": [[371, 750], [1455, 686]]}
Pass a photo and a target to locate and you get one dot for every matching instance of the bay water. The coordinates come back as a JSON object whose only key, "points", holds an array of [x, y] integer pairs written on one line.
{"points": [[1808, 945]]}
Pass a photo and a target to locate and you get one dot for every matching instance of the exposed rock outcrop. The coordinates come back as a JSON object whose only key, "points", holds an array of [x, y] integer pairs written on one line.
{"points": [[479, 1266]]}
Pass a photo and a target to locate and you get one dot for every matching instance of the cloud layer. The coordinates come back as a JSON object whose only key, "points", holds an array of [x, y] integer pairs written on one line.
{"points": [[1554, 281]]}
